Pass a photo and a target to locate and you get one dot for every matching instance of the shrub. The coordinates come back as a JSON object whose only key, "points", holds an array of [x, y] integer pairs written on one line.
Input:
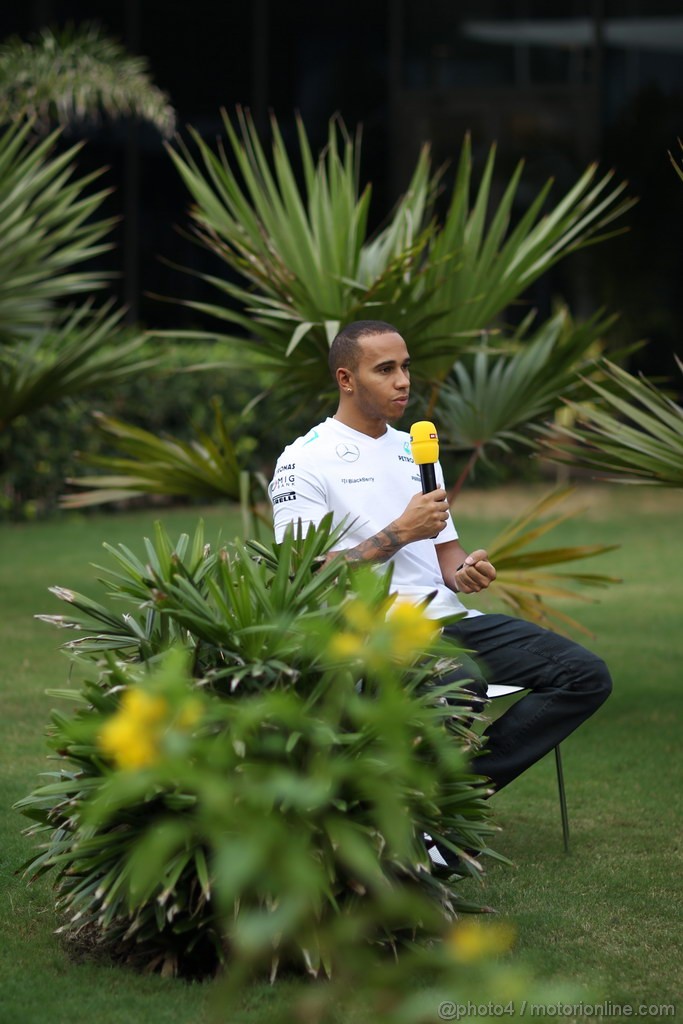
{"points": [[165, 400], [264, 787], [36, 455]]}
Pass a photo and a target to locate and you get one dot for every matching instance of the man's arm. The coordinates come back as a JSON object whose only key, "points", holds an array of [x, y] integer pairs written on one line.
{"points": [[463, 573], [424, 517]]}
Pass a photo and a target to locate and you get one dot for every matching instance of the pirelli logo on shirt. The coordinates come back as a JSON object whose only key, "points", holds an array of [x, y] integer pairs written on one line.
{"points": [[280, 498], [282, 486]]}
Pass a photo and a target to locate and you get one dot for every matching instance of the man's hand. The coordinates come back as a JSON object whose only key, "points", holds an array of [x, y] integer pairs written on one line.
{"points": [[424, 516], [475, 573]]}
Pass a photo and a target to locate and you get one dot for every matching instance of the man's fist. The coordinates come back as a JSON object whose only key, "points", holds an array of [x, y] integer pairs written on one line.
{"points": [[475, 573], [424, 516]]}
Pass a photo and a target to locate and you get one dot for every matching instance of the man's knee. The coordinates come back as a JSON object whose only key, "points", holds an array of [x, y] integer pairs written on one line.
{"points": [[604, 680], [594, 678]]}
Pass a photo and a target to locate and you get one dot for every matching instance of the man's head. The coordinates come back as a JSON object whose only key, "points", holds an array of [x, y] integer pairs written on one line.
{"points": [[345, 349], [370, 363]]}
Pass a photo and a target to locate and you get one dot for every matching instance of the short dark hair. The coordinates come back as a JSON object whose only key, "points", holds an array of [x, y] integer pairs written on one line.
{"points": [[344, 348]]}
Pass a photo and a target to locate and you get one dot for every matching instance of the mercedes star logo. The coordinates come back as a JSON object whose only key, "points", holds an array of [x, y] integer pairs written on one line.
{"points": [[348, 452]]}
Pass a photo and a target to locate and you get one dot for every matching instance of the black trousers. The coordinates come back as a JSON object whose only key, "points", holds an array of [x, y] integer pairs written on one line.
{"points": [[566, 684]]}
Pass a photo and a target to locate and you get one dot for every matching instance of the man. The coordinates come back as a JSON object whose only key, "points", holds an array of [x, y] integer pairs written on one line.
{"points": [[359, 467]]}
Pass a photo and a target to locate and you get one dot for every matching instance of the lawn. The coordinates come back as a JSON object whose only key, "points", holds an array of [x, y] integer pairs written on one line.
{"points": [[605, 917]]}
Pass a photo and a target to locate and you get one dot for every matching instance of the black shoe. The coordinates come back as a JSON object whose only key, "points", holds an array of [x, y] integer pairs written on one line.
{"points": [[445, 860]]}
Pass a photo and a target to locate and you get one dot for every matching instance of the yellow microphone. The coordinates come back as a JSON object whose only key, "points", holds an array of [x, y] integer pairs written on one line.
{"points": [[424, 447]]}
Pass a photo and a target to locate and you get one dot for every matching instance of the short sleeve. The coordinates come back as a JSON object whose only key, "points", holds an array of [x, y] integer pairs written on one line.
{"points": [[296, 494]]}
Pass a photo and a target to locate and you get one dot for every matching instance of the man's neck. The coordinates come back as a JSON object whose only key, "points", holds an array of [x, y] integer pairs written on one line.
{"points": [[371, 427]]}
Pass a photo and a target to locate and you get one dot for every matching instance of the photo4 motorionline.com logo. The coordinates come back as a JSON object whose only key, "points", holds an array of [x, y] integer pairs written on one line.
{"points": [[606, 1010]]}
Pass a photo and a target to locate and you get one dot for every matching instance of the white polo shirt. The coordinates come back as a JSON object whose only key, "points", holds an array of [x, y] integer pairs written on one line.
{"points": [[367, 483]]}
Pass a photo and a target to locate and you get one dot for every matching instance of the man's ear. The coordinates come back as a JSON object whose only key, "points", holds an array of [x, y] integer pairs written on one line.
{"points": [[344, 378]]}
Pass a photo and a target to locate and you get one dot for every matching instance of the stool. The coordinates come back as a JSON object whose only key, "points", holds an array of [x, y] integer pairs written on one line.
{"points": [[495, 691]]}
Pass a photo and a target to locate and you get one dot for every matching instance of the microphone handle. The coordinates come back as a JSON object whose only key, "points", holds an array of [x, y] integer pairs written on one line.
{"points": [[428, 477]]}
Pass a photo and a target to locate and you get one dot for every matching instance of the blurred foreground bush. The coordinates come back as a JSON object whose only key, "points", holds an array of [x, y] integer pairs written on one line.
{"points": [[258, 794]]}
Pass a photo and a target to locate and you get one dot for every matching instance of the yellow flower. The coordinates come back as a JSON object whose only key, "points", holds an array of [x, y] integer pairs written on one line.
{"points": [[346, 645], [411, 631], [132, 736], [471, 939], [143, 707], [384, 634], [127, 743], [361, 617]]}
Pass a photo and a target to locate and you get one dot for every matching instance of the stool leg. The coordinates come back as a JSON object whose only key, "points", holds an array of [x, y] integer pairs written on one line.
{"points": [[563, 799]]}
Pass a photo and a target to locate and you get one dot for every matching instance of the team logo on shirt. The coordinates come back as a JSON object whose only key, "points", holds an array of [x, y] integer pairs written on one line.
{"points": [[408, 457], [282, 485], [348, 452]]}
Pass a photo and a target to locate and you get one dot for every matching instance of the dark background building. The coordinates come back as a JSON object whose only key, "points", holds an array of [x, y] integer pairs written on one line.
{"points": [[560, 83]]}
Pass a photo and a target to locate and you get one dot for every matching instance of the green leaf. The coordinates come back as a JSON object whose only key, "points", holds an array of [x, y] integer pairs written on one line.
{"points": [[76, 74], [523, 585], [298, 261], [204, 468], [633, 434]]}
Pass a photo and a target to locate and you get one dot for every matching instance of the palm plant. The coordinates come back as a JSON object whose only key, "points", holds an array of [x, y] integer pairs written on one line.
{"points": [[305, 263], [256, 795], [632, 433], [48, 229], [494, 396], [207, 467], [82, 349], [204, 468], [528, 578], [77, 74], [301, 263], [50, 350]]}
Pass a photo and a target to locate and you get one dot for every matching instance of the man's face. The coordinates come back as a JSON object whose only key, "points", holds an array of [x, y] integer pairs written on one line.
{"points": [[381, 381]]}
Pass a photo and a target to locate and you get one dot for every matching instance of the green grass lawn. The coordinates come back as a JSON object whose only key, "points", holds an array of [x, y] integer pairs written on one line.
{"points": [[605, 917]]}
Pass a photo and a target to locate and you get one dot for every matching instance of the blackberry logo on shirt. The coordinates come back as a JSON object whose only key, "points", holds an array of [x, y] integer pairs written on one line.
{"points": [[348, 452]]}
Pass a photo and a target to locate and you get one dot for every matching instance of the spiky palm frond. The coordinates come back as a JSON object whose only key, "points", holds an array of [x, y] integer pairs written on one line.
{"points": [[206, 467], [48, 229], [527, 579], [632, 434], [81, 350], [77, 74], [493, 396], [305, 263]]}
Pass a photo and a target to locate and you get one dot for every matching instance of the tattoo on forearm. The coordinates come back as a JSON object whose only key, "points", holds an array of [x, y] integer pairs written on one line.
{"points": [[379, 548]]}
